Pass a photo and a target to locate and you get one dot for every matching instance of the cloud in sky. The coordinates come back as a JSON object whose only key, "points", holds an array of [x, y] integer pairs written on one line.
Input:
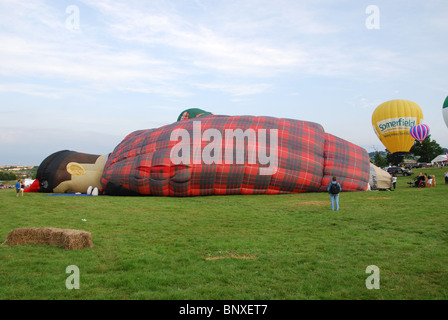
{"points": [[137, 64]]}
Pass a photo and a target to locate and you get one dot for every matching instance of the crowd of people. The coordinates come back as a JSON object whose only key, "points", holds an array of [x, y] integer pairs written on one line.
{"points": [[6, 186], [425, 180], [422, 180], [19, 186]]}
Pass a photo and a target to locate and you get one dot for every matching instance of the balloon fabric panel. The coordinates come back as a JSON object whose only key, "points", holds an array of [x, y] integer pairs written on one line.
{"points": [[203, 179], [349, 163]]}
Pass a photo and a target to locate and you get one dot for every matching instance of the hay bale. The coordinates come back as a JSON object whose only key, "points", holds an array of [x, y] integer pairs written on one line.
{"points": [[67, 238]]}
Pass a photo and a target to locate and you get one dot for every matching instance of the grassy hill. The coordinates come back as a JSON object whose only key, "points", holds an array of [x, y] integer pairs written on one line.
{"points": [[233, 247]]}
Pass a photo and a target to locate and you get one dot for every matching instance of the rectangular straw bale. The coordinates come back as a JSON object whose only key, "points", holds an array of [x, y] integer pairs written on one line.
{"points": [[67, 238]]}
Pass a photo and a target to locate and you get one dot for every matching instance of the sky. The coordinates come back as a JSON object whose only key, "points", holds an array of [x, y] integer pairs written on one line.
{"points": [[81, 75]]}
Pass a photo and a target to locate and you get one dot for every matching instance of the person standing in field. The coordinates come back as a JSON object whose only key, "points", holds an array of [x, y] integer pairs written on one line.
{"points": [[446, 177], [18, 188], [334, 188], [394, 181]]}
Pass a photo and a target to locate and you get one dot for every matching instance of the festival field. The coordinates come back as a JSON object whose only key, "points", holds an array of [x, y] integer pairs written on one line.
{"points": [[233, 247]]}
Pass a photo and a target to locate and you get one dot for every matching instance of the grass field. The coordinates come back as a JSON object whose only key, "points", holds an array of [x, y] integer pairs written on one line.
{"points": [[233, 247]]}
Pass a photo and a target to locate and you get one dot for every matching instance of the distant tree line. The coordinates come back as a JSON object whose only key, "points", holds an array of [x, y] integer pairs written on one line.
{"points": [[7, 176], [425, 151]]}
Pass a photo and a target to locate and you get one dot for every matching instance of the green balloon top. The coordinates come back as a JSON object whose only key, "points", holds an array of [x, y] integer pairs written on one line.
{"points": [[445, 104], [192, 113]]}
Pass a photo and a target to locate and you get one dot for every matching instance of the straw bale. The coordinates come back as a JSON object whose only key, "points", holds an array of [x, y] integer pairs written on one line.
{"points": [[67, 238]]}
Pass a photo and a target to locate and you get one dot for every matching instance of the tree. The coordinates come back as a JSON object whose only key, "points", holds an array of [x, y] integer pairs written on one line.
{"points": [[379, 160], [394, 158], [7, 176], [427, 149]]}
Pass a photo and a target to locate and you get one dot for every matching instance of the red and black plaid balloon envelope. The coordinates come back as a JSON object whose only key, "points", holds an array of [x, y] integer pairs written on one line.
{"points": [[224, 155]]}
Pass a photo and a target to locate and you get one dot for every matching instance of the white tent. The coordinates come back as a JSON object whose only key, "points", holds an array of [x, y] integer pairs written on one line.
{"points": [[439, 159]]}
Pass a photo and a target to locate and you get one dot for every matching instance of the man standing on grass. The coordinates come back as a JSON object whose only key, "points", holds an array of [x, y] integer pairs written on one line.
{"points": [[18, 188], [333, 189], [394, 181]]}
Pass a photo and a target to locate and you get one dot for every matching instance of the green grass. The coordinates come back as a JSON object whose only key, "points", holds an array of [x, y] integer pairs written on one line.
{"points": [[233, 247]]}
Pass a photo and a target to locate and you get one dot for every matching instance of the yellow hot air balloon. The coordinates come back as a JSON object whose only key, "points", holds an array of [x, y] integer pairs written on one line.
{"points": [[392, 121]]}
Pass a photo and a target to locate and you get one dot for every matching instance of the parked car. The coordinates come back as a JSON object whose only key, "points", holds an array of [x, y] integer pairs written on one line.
{"points": [[399, 170], [424, 165]]}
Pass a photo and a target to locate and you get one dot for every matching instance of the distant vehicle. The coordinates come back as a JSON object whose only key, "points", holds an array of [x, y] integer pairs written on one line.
{"points": [[400, 170], [416, 165], [424, 165]]}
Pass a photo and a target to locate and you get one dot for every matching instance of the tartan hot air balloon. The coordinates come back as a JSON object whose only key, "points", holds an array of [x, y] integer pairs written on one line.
{"points": [[419, 132], [308, 157], [217, 155], [392, 121]]}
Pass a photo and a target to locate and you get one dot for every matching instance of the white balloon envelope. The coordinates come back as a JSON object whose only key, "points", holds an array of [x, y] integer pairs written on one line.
{"points": [[445, 111]]}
